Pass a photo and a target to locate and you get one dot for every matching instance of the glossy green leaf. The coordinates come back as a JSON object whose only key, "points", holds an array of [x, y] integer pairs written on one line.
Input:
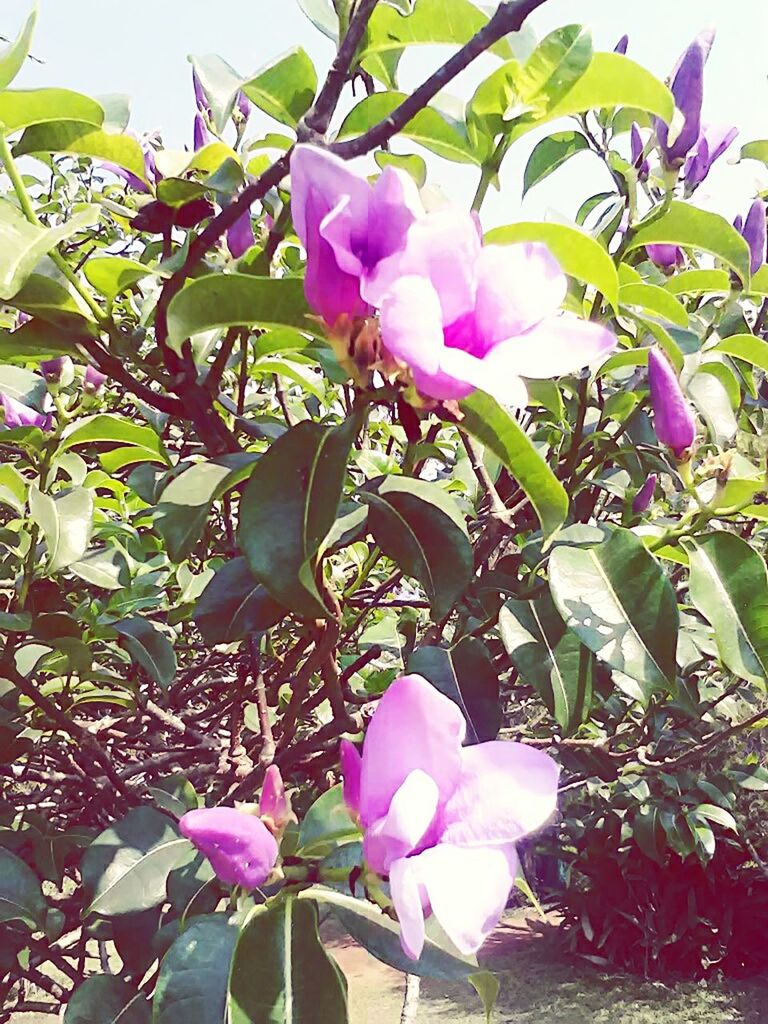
{"points": [[221, 84], [688, 226], [551, 153], [105, 999], [616, 598], [235, 604], [729, 586], [710, 812], [36, 340], [281, 974], [111, 275], [751, 349], [412, 164], [193, 980], [648, 833], [326, 824], [431, 22], [695, 282], [286, 88], [757, 150], [288, 507], [82, 139], [550, 657], [578, 253], [657, 301], [428, 128], [22, 244], [13, 55], [25, 107], [66, 521], [21, 898], [466, 675], [23, 385], [149, 648], [419, 526], [554, 67], [107, 428], [102, 568], [49, 297], [500, 432], [126, 867], [228, 300]]}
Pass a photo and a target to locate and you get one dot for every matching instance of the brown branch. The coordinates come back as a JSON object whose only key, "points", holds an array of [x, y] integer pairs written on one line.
{"points": [[267, 752]]}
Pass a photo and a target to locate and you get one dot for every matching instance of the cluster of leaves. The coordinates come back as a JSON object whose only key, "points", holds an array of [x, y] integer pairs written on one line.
{"points": [[222, 560]]}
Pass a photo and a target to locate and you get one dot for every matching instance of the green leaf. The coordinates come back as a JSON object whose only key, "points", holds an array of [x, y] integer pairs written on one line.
{"points": [[24, 107], [228, 300], [615, 597], [465, 673], [717, 814], [192, 984], [182, 511], [322, 16], [428, 128], [286, 88], [487, 986], [111, 275], [554, 67], [105, 999], [757, 150], [326, 824], [729, 586], [221, 84], [12, 57], [551, 153], [414, 165], [419, 526], [125, 868], [550, 657], [66, 521], [82, 139], [22, 244], [578, 254], [234, 605], [693, 282], [288, 507], [431, 22], [690, 227], [500, 432], [21, 898], [281, 974], [23, 385], [747, 347], [36, 340], [149, 648], [48, 296], [649, 834], [380, 935], [106, 428], [655, 300]]}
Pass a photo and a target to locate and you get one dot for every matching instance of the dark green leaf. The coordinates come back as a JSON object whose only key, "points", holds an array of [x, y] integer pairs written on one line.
{"points": [[235, 604], [286, 88], [326, 824], [465, 673], [21, 898], [107, 428], [192, 984], [649, 834], [105, 999], [551, 153], [149, 648]]}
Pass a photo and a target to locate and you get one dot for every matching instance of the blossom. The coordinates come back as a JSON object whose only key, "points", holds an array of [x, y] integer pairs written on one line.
{"points": [[274, 804], [151, 172], [666, 256], [753, 230], [687, 85], [460, 315], [347, 227], [93, 380], [240, 847], [240, 236], [15, 414], [54, 369], [712, 142], [644, 496], [672, 415], [442, 820]]}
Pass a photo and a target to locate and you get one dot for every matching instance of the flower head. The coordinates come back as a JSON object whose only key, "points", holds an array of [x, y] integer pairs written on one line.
{"points": [[672, 415], [460, 315], [93, 380], [666, 256], [753, 230], [712, 142], [347, 227], [240, 847], [54, 369], [644, 496], [441, 820], [687, 85], [15, 414]]}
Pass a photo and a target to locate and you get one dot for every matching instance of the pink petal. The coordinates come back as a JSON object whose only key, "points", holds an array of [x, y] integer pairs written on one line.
{"points": [[411, 324], [558, 345], [330, 291], [273, 802], [317, 172], [506, 387], [410, 814], [442, 247], [506, 790], [410, 900], [414, 726], [241, 849], [518, 286], [351, 767]]}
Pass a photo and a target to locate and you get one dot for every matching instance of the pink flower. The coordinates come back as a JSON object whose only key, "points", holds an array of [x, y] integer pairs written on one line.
{"points": [[672, 415], [240, 847], [347, 227], [442, 820], [461, 315], [274, 804], [93, 380], [15, 414]]}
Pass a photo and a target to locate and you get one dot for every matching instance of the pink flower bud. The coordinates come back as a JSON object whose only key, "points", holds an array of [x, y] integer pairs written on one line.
{"points": [[274, 804], [93, 380], [241, 849], [644, 496], [672, 415]]}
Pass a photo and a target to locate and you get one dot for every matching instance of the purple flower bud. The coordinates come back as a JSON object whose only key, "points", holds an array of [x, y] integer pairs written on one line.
{"points": [[22, 318], [200, 133], [754, 232], [93, 380], [688, 89], [150, 166], [240, 847], [53, 369], [15, 414], [738, 222], [351, 766], [621, 46], [666, 256], [200, 97], [240, 236], [639, 162], [274, 805], [244, 106], [644, 496], [712, 143], [672, 415]]}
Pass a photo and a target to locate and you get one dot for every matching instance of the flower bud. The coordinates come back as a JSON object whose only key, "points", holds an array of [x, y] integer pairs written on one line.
{"points": [[54, 369], [754, 234], [666, 256], [351, 766], [240, 236], [688, 90], [200, 97], [243, 105], [200, 133], [241, 849], [621, 46], [639, 162], [274, 804], [672, 415], [644, 496], [93, 380], [15, 414]]}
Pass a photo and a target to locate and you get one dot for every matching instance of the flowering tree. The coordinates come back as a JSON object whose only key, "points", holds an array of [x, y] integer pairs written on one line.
{"points": [[339, 534]]}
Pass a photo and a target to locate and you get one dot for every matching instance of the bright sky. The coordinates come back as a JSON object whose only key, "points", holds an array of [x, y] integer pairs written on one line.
{"points": [[141, 48]]}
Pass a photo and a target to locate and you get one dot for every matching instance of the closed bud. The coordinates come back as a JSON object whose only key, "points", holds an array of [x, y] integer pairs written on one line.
{"points": [[275, 804], [93, 381], [54, 369], [644, 496], [672, 415]]}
